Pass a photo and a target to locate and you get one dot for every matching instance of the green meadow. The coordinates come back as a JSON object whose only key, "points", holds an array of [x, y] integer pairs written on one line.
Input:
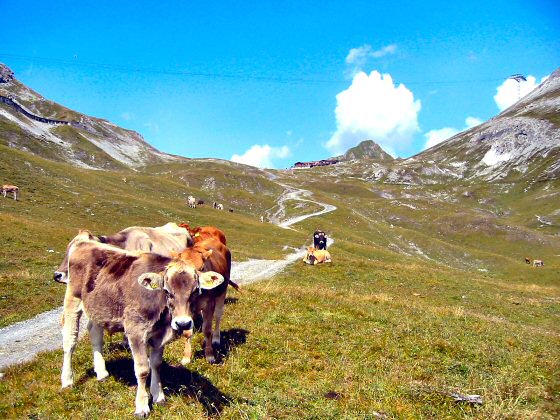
{"points": [[428, 294]]}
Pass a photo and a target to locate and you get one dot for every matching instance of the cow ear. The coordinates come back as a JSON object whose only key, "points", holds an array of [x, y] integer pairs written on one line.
{"points": [[206, 254], [210, 279], [151, 281]]}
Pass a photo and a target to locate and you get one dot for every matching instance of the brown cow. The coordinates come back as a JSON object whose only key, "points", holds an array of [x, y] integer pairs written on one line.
{"points": [[7, 188], [209, 255], [205, 232], [146, 295], [161, 240]]}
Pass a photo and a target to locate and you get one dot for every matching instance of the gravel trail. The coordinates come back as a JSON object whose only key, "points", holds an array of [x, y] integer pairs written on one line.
{"points": [[21, 341]]}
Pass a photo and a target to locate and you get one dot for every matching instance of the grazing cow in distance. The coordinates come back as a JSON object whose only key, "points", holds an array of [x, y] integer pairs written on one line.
{"points": [[191, 201], [527, 260], [218, 206], [161, 240], [7, 188], [316, 256], [319, 239], [200, 203], [262, 219], [147, 296], [231, 210], [538, 263]]}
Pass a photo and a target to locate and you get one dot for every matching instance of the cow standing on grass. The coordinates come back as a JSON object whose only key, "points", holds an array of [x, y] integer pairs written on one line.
{"points": [[7, 188], [146, 295], [191, 201], [213, 256]]}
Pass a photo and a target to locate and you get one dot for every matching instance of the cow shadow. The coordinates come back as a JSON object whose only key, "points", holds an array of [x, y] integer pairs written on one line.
{"points": [[176, 380], [231, 300], [229, 339]]}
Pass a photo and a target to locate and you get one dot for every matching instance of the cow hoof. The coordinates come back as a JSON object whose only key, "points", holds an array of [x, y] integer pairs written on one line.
{"points": [[67, 383], [211, 359], [160, 401], [216, 342], [142, 414], [102, 376], [185, 360]]}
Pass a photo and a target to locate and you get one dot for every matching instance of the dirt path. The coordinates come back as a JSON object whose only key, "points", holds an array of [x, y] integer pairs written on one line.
{"points": [[21, 341]]}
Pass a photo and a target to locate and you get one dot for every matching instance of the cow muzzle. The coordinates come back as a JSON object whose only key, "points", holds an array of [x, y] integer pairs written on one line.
{"points": [[60, 277], [182, 323]]}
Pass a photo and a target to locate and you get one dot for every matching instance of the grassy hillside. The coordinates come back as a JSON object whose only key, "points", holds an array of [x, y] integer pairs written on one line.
{"points": [[56, 200], [428, 294]]}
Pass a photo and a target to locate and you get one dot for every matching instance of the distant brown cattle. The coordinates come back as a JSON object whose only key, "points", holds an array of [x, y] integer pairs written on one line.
{"points": [[527, 260], [7, 188], [145, 295], [204, 232], [208, 255], [161, 240]]}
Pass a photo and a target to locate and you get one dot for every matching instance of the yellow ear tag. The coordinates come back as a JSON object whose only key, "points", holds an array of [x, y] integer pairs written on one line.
{"points": [[196, 234], [154, 286]]}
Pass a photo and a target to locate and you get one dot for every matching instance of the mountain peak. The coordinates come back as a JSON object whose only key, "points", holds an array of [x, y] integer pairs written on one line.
{"points": [[367, 149]]}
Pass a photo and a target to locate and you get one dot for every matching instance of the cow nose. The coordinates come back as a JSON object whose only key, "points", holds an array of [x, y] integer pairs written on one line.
{"points": [[182, 324], [58, 276]]}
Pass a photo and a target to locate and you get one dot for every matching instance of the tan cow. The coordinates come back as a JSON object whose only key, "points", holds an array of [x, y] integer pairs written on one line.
{"points": [[7, 188], [145, 295], [317, 256], [161, 240]]}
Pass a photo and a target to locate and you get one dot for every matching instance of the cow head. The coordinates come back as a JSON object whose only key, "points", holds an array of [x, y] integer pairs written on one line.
{"points": [[61, 273], [182, 283]]}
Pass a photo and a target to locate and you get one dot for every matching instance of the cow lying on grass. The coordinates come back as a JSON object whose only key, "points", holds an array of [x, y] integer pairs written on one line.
{"points": [[315, 256], [161, 240], [148, 296]]}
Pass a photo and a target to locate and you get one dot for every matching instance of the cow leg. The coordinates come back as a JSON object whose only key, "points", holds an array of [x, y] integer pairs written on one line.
{"points": [[208, 316], [218, 313], [141, 369], [156, 355], [96, 339], [187, 353], [70, 329]]}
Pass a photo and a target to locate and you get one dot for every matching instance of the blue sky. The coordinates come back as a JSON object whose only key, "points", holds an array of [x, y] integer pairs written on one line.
{"points": [[271, 83]]}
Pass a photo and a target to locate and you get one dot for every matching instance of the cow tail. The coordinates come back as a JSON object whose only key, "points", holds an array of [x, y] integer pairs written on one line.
{"points": [[234, 285]]}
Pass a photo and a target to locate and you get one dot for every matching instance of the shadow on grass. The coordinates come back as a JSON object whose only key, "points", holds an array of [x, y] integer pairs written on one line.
{"points": [[178, 380], [231, 300], [229, 339]]}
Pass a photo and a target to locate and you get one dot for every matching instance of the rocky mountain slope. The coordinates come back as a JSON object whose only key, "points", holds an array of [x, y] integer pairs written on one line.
{"points": [[32, 123], [521, 143], [367, 149]]}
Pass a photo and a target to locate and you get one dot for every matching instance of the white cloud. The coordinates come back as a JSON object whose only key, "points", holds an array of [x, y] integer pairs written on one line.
{"points": [[374, 108], [511, 91], [127, 116], [471, 122], [262, 156], [434, 137], [361, 54]]}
